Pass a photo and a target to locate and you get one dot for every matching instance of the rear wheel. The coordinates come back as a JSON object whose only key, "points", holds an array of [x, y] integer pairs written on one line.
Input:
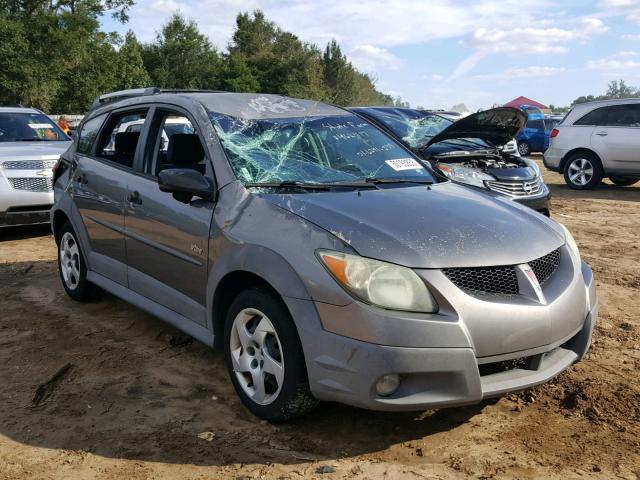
{"points": [[265, 358], [623, 182], [583, 171], [524, 148], [73, 271]]}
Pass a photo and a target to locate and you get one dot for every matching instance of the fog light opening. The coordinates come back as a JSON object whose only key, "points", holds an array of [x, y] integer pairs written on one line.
{"points": [[387, 384]]}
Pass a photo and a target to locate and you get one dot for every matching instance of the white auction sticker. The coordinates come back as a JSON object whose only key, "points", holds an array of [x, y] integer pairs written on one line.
{"points": [[36, 126], [399, 164]]}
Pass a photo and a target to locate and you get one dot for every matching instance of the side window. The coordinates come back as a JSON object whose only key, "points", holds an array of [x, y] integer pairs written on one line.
{"points": [[595, 117], [120, 136], [622, 116], [535, 124], [88, 134], [177, 145]]}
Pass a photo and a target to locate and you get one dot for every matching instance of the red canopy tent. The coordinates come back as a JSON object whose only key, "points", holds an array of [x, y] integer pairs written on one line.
{"points": [[516, 102]]}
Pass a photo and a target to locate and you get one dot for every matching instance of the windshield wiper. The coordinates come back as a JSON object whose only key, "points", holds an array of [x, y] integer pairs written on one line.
{"points": [[398, 180], [289, 184]]}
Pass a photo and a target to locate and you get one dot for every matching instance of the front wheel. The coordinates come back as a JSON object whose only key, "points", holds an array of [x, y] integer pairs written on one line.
{"points": [[624, 182], [523, 148], [73, 271], [583, 171], [265, 358]]}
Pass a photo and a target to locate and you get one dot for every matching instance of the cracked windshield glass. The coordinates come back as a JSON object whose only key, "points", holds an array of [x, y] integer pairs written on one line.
{"points": [[320, 149], [416, 130]]}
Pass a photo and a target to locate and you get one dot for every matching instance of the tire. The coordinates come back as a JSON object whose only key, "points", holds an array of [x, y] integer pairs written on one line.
{"points": [[72, 268], [524, 148], [623, 182], [583, 171], [260, 336]]}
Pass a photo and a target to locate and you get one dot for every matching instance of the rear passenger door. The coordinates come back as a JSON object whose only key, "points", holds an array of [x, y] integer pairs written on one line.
{"points": [[103, 165], [617, 134], [167, 239]]}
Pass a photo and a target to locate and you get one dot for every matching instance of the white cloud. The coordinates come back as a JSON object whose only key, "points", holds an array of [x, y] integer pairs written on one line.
{"points": [[434, 76], [625, 53], [370, 58], [534, 71], [612, 65], [630, 37], [629, 8], [532, 40]]}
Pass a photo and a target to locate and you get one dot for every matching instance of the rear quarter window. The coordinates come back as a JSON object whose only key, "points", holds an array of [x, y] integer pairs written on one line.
{"points": [[88, 134]]}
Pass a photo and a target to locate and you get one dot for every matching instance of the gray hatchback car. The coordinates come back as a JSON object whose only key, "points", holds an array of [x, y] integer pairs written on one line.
{"points": [[327, 260]]}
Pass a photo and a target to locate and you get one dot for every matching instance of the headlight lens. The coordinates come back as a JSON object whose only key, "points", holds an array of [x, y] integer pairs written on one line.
{"points": [[470, 176], [379, 283], [533, 165], [571, 243]]}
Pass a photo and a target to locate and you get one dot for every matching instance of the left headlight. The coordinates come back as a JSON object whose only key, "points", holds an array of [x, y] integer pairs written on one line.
{"points": [[571, 243], [379, 283], [533, 165], [470, 176]]}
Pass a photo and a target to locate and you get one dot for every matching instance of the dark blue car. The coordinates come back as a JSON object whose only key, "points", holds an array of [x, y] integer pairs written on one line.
{"points": [[534, 137]]}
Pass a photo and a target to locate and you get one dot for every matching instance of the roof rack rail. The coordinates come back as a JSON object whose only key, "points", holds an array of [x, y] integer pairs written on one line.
{"points": [[122, 94], [141, 92]]}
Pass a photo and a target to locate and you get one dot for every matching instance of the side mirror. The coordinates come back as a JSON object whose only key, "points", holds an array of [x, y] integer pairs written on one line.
{"points": [[185, 182]]}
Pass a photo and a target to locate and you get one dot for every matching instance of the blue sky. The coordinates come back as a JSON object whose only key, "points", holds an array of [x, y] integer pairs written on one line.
{"points": [[437, 53]]}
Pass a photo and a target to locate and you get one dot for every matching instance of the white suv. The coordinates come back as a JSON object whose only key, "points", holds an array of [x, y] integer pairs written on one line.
{"points": [[30, 145], [597, 140]]}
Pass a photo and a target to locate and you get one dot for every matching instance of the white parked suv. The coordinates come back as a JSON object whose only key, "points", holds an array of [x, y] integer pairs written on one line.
{"points": [[30, 146], [597, 140]]}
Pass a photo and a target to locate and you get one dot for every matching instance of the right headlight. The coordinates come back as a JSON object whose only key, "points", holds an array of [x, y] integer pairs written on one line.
{"points": [[379, 283], [571, 243]]}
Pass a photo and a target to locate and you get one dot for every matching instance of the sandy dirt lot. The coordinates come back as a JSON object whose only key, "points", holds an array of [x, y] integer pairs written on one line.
{"points": [[135, 399]]}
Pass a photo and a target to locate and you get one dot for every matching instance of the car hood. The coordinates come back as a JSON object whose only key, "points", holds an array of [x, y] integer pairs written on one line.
{"points": [[445, 225], [497, 125], [32, 150]]}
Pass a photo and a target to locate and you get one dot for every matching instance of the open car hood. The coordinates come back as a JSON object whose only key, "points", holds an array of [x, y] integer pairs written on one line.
{"points": [[497, 125]]}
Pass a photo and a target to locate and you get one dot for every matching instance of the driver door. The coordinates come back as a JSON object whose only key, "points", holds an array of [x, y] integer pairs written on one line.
{"points": [[166, 239]]}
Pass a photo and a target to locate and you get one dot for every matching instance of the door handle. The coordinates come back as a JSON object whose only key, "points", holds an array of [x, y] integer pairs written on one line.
{"points": [[135, 199], [602, 134]]}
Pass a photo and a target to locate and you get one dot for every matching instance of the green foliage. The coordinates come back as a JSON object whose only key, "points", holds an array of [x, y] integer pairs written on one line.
{"points": [[615, 89], [55, 57], [181, 57]]}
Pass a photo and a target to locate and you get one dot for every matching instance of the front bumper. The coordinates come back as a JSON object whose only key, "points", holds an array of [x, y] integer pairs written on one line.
{"points": [[447, 372], [24, 208], [539, 203]]}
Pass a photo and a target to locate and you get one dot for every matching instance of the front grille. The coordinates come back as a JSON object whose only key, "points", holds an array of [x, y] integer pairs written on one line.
{"points": [[31, 184], [485, 280], [501, 280], [516, 188], [545, 267], [28, 164]]}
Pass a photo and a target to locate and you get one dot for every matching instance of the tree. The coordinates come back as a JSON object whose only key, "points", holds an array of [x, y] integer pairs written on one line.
{"points": [[615, 89], [131, 70], [182, 57]]}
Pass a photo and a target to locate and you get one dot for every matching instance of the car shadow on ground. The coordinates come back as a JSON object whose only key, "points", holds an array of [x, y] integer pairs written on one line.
{"points": [[106, 378], [604, 191], [20, 233]]}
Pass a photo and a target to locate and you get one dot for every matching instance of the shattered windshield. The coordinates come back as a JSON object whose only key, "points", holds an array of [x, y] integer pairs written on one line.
{"points": [[415, 129], [319, 149]]}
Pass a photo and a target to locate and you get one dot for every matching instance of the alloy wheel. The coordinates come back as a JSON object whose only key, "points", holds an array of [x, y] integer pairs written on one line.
{"points": [[256, 356], [70, 260], [580, 171]]}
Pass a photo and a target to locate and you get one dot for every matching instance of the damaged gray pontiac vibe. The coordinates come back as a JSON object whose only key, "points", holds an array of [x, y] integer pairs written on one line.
{"points": [[326, 259]]}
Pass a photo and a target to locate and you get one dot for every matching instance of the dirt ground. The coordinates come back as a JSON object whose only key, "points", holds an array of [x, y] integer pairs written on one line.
{"points": [[134, 399]]}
